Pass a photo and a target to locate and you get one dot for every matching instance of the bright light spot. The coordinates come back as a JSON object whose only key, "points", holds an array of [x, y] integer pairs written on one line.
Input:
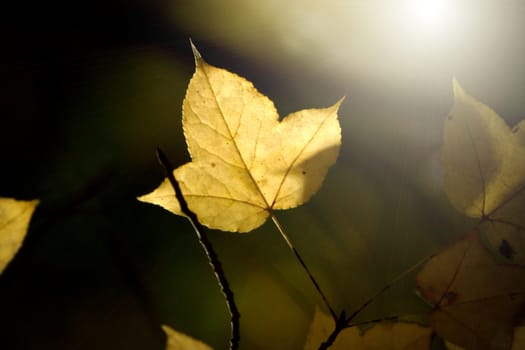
{"points": [[430, 10], [430, 15]]}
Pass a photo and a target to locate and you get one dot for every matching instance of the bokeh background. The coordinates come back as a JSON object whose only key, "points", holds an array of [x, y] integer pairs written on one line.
{"points": [[89, 90]]}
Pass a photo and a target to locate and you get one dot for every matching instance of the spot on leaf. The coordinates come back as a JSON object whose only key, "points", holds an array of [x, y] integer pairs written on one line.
{"points": [[449, 297], [506, 249]]}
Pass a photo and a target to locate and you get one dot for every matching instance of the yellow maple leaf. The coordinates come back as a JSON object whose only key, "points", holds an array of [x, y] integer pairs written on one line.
{"points": [[386, 335], [179, 341], [245, 162], [14, 221]]}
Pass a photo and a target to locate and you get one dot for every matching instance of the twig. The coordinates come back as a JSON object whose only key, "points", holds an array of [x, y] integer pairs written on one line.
{"points": [[305, 267], [208, 249], [343, 323], [340, 324], [387, 287]]}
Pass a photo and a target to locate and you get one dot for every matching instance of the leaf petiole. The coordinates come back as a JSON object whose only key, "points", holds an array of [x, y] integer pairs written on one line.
{"points": [[304, 266]]}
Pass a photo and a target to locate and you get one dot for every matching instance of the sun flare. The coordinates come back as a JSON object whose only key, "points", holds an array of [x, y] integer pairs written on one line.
{"points": [[430, 15]]}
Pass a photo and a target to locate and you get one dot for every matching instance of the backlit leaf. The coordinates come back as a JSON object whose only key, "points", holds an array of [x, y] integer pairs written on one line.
{"points": [[245, 162], [477, 285], [476, 299], [180, 341], [484, 162], [386, 335], [14, 221]]}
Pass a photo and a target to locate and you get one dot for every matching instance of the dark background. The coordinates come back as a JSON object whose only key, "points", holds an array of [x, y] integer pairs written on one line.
{"points": [[90, 89]]}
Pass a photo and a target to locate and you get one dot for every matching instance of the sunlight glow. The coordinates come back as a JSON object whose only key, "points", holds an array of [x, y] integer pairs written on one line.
{"points": [[430, 15]]}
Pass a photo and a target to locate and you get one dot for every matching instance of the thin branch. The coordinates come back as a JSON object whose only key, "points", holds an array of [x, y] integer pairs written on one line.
{"points": [[208, 249], [377, 320], [304, 266], [387, 287], [342, 322]]}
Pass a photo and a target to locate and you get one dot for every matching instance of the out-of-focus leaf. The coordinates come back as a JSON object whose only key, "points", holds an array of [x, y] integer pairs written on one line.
{"points": [[452, 346], [320, 328], [386, 335], [14, 221], [484, 162], [476, 299], [245, 162], [519, 338], [180, 341]]}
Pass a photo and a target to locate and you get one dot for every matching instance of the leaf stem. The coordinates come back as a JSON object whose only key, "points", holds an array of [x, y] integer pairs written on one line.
{"points": [[304, 266], [213, 259]]}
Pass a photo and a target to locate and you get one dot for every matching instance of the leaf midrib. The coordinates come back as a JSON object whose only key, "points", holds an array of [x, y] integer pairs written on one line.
{"points": [[237, 150], [252, 179]]}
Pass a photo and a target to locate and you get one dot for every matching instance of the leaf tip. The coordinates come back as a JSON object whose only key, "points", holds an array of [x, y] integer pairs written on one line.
{"points": [[145, 198], [458, 90], [338, 103], [196, 54]]}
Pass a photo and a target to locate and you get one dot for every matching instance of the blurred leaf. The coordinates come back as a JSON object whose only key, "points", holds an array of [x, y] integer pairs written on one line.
{"points": [[245, 162], [476, 293], [484, 160], [180, 341], [519, 338], [386, 335], [14, 221], [484, 163], [476, 300], [452, 346]]}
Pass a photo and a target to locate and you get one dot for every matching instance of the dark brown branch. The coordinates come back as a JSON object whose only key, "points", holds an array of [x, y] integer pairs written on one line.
{"points": [[340, 324], [208, 249], [343, 322]]}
